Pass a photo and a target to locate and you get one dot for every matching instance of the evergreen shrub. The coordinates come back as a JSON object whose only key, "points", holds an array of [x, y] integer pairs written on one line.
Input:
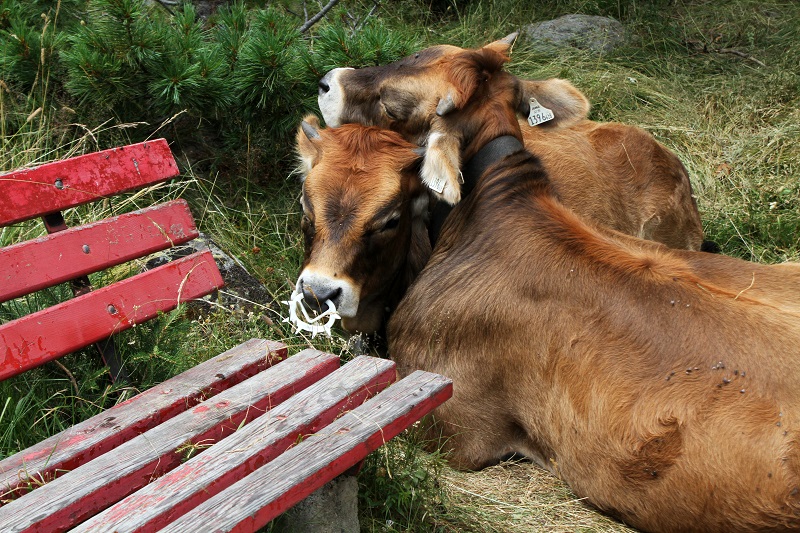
{"points": [[241, 80]]}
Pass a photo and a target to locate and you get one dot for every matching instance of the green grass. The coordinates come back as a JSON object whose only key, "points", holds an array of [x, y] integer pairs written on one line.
{"points": [[732, 121]]}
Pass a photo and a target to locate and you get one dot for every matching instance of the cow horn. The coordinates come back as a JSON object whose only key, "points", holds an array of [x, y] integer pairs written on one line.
{"points": [[510, 38], [446, 105], [310, 131]]}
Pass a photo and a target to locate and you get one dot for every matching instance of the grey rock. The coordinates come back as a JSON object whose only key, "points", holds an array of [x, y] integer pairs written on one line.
{"points": [[585, 32], [331, 509], [242, 292]]}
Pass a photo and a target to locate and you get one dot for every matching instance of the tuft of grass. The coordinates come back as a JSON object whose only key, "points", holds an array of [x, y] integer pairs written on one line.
{"points": [[399, 486], [517, 497]]}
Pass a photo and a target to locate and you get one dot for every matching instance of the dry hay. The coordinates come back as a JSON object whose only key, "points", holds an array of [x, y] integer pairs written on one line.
{"points": [[517, 497]]}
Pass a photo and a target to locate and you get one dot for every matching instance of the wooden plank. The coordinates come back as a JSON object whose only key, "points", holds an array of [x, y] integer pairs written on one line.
{"points": [[81, 493], [40, 337], [56, 186], [33, 265], [255, 445], [260, 497], [107, 430]]}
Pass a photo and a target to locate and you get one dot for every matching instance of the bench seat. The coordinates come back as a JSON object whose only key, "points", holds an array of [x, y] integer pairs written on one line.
{"points": [[258, 445]]}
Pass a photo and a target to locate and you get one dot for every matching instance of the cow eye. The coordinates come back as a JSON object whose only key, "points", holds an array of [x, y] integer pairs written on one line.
{"points": [[391, 224], [389, 113], [306, 223]]}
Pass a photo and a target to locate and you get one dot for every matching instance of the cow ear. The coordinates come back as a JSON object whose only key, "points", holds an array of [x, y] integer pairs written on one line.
{"points": [[467, 71], [567, 104], [308, 144], [441, 164]]}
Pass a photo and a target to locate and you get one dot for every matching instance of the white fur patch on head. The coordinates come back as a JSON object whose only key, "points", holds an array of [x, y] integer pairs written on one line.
{"points": [[331, 97], [441, 168]]}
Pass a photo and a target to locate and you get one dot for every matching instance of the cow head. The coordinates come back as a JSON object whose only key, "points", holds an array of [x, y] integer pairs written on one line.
{"points": [[451, 99], [364, 221]]}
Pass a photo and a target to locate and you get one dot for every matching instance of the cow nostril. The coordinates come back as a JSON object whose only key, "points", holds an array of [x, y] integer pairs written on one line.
{"points": [[314, 300], [323, 86]]}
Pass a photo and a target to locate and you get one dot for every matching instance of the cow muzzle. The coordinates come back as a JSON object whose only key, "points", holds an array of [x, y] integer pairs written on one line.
{"points": [[331, 97], [317, 289]]}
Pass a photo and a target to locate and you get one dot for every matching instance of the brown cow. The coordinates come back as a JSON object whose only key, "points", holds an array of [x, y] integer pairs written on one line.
{"points": [[661, 384], [364, 221], [612, 174]]}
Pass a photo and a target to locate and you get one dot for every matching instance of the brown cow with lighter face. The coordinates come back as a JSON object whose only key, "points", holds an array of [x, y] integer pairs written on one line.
{"points": [[612, 174], [364, 221]]}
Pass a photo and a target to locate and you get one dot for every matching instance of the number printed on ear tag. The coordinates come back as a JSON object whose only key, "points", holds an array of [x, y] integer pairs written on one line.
{"points": [[539, 114], [438, 184]]}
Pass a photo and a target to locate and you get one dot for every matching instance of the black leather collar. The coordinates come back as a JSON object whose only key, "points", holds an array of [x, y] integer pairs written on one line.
{"points": [[471, 171]]}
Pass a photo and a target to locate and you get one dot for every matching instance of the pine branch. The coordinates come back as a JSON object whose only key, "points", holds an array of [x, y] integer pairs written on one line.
{"points": [[316, 18], [372, 11]]}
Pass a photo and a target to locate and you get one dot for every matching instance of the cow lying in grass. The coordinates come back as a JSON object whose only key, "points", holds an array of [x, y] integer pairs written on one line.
{"points": [[612, 174], [662, 385]]}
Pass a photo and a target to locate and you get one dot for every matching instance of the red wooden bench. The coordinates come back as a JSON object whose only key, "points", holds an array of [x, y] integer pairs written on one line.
{"points": [[264, 430], [70, 254]]}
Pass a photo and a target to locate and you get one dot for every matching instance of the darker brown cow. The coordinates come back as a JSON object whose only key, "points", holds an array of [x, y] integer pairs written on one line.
{"points": [[612, 174], [661, 384], [364, 221]]}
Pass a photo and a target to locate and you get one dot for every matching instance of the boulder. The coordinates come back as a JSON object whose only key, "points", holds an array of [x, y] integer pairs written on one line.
{"points": [[242, 292], [586, 32], [331, 509]]}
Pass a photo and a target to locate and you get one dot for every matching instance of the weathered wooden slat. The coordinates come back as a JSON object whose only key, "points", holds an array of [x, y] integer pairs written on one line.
{"points": [[260, 497], [264, 439], [40, 337], [32, 265], [79, 494], [107, 430], [63, 184]]}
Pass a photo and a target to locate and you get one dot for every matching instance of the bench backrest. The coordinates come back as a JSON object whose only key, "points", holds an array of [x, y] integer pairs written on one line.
{"points": [[70, 254]]}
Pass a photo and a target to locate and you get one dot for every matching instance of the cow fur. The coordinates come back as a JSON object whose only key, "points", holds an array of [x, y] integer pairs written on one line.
{"points": [[661, 385]]}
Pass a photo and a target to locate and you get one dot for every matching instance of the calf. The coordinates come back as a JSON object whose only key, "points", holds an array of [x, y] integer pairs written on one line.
{"points": [[612, 174]]}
